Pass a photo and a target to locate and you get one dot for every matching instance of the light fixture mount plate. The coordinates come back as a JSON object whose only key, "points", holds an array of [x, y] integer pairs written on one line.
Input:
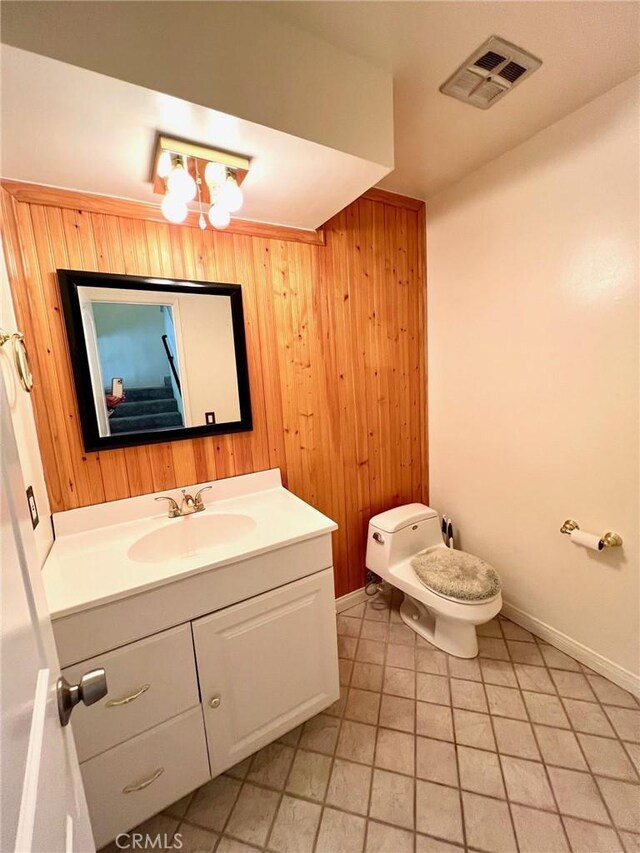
{"points": [[197, 157]]}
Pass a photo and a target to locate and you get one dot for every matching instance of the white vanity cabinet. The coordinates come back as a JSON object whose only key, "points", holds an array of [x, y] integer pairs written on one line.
{"points": [[265, 666], [210, 651], [189, 702]]}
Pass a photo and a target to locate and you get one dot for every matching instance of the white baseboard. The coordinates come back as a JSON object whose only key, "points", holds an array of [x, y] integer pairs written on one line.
{"points": [[598, 663], [351, 599]]}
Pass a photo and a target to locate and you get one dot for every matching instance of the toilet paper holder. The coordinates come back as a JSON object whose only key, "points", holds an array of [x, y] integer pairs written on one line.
{"points": [[607, 540]]}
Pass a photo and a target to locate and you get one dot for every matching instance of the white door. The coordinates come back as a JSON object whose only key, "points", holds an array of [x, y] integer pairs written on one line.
{"points": [[91, 343], [265, 666], [90, 295], [43, 806]]}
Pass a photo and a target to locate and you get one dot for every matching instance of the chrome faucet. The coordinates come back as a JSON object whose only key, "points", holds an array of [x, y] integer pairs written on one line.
{"points": [[188, 504]]}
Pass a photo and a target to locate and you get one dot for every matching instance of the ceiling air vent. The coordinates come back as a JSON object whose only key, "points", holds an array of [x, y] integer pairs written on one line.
{"points": [[490, 72]]}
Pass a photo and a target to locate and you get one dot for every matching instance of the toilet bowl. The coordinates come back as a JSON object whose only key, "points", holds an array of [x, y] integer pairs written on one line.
{"points": [[394, 538]]}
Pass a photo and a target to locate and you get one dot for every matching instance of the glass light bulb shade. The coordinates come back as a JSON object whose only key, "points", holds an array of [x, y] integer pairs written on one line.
{"points": [[219, 217], [214, 173], [164, 164], [230, 195], [173, 208], [181, 185]]}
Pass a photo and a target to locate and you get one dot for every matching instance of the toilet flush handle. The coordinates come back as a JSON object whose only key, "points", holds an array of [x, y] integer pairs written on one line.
{"points": [[378, 538]]}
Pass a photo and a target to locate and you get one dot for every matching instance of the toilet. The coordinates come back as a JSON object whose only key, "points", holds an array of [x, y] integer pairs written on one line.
{"points": [[395, 539]]}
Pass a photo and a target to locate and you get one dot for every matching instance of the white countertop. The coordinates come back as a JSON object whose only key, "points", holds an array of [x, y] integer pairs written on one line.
{"points": [[90, 563]]}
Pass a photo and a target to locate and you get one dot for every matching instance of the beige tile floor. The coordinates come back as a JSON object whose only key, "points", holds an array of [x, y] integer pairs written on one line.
{"points": [[523, 749]]}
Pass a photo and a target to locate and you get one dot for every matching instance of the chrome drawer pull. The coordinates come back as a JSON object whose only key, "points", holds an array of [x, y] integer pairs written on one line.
{"points": [[130, 789], [115, 703]]}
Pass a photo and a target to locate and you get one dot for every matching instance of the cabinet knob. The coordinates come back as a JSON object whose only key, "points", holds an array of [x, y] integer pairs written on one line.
{"points": [[215, 702]]}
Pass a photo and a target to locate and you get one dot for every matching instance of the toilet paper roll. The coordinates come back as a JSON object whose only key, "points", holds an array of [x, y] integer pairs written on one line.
{"points": [[589, 540]]}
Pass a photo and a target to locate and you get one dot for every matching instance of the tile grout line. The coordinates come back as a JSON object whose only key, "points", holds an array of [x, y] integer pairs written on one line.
{"points": [[281, 793], [495, 739], [542, 644], [323, 804], [575, 733], [518, 688], [479, 748], [181, 820], [415, 753], [341, 713], [543, 762], [592, 775], [333, 761], [556, 694], [546, 725], [457, 757], [235, 802], [549, 671], [375, 748]]}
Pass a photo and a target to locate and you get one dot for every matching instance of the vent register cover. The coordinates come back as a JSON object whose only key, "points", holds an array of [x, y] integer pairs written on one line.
{"points": [[490, 72]]}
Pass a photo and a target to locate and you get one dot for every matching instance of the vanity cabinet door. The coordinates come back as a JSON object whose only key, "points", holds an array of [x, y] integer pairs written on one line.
{"points": [[265, 666]]}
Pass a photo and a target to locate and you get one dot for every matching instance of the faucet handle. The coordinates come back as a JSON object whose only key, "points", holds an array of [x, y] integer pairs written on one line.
{"points": [[198, 500], [174, 509], [187, 500]]}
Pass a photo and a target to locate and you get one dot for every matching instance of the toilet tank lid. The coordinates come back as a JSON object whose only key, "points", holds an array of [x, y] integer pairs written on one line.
{"points": [[402, 516]]}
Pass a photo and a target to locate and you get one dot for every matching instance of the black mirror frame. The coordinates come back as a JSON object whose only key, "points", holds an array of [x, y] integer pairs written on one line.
{"points": [[71, 280]]}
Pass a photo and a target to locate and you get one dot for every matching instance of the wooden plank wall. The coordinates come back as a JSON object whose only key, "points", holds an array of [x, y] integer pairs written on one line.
{"points": [[336, 340]]}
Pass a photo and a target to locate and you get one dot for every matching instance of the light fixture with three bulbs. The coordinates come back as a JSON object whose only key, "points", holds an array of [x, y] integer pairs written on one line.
{"points": [[185, 172]]}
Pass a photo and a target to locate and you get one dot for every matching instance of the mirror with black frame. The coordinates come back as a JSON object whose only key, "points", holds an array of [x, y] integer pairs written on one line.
{"points": [[155, 359]]}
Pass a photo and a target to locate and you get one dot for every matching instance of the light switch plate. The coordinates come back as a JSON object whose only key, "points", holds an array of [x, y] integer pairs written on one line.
{"points": [[33, 509]]}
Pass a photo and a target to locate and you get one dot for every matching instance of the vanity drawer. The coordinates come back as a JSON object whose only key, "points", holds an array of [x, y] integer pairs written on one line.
{"points": [[149, 682], [136, 779]]}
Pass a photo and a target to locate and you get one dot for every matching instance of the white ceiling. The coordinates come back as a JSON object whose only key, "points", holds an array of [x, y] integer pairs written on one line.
{"points": [[586, 49], [68, 127]]}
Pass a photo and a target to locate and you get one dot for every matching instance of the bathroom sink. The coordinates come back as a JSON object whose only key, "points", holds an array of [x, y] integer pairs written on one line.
{"points": [[111, 551], [186, 537]]}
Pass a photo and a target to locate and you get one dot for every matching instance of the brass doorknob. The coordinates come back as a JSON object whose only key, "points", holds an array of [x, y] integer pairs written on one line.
{"points": [[215, 702]]}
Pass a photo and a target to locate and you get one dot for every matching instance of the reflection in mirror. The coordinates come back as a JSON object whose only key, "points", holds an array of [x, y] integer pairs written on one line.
{"points": [[163, 363], [162, 358], [129, 340]]}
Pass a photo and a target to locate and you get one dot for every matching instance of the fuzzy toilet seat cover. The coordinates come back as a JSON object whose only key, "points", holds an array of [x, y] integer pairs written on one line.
{"points": [[456, 574]]}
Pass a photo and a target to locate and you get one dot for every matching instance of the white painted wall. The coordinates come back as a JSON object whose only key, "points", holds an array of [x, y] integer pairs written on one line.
{"points": [[207, 341], [533, 371], [121, 137], [221, 55], [130, 344], [24, 422]]}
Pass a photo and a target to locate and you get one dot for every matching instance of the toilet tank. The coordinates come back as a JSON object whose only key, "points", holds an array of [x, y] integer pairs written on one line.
{"points": [[399, 533]]}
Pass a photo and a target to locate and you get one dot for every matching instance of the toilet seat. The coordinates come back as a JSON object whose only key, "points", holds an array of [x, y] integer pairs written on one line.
{"points": [[456, 575], [444, 622]]}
